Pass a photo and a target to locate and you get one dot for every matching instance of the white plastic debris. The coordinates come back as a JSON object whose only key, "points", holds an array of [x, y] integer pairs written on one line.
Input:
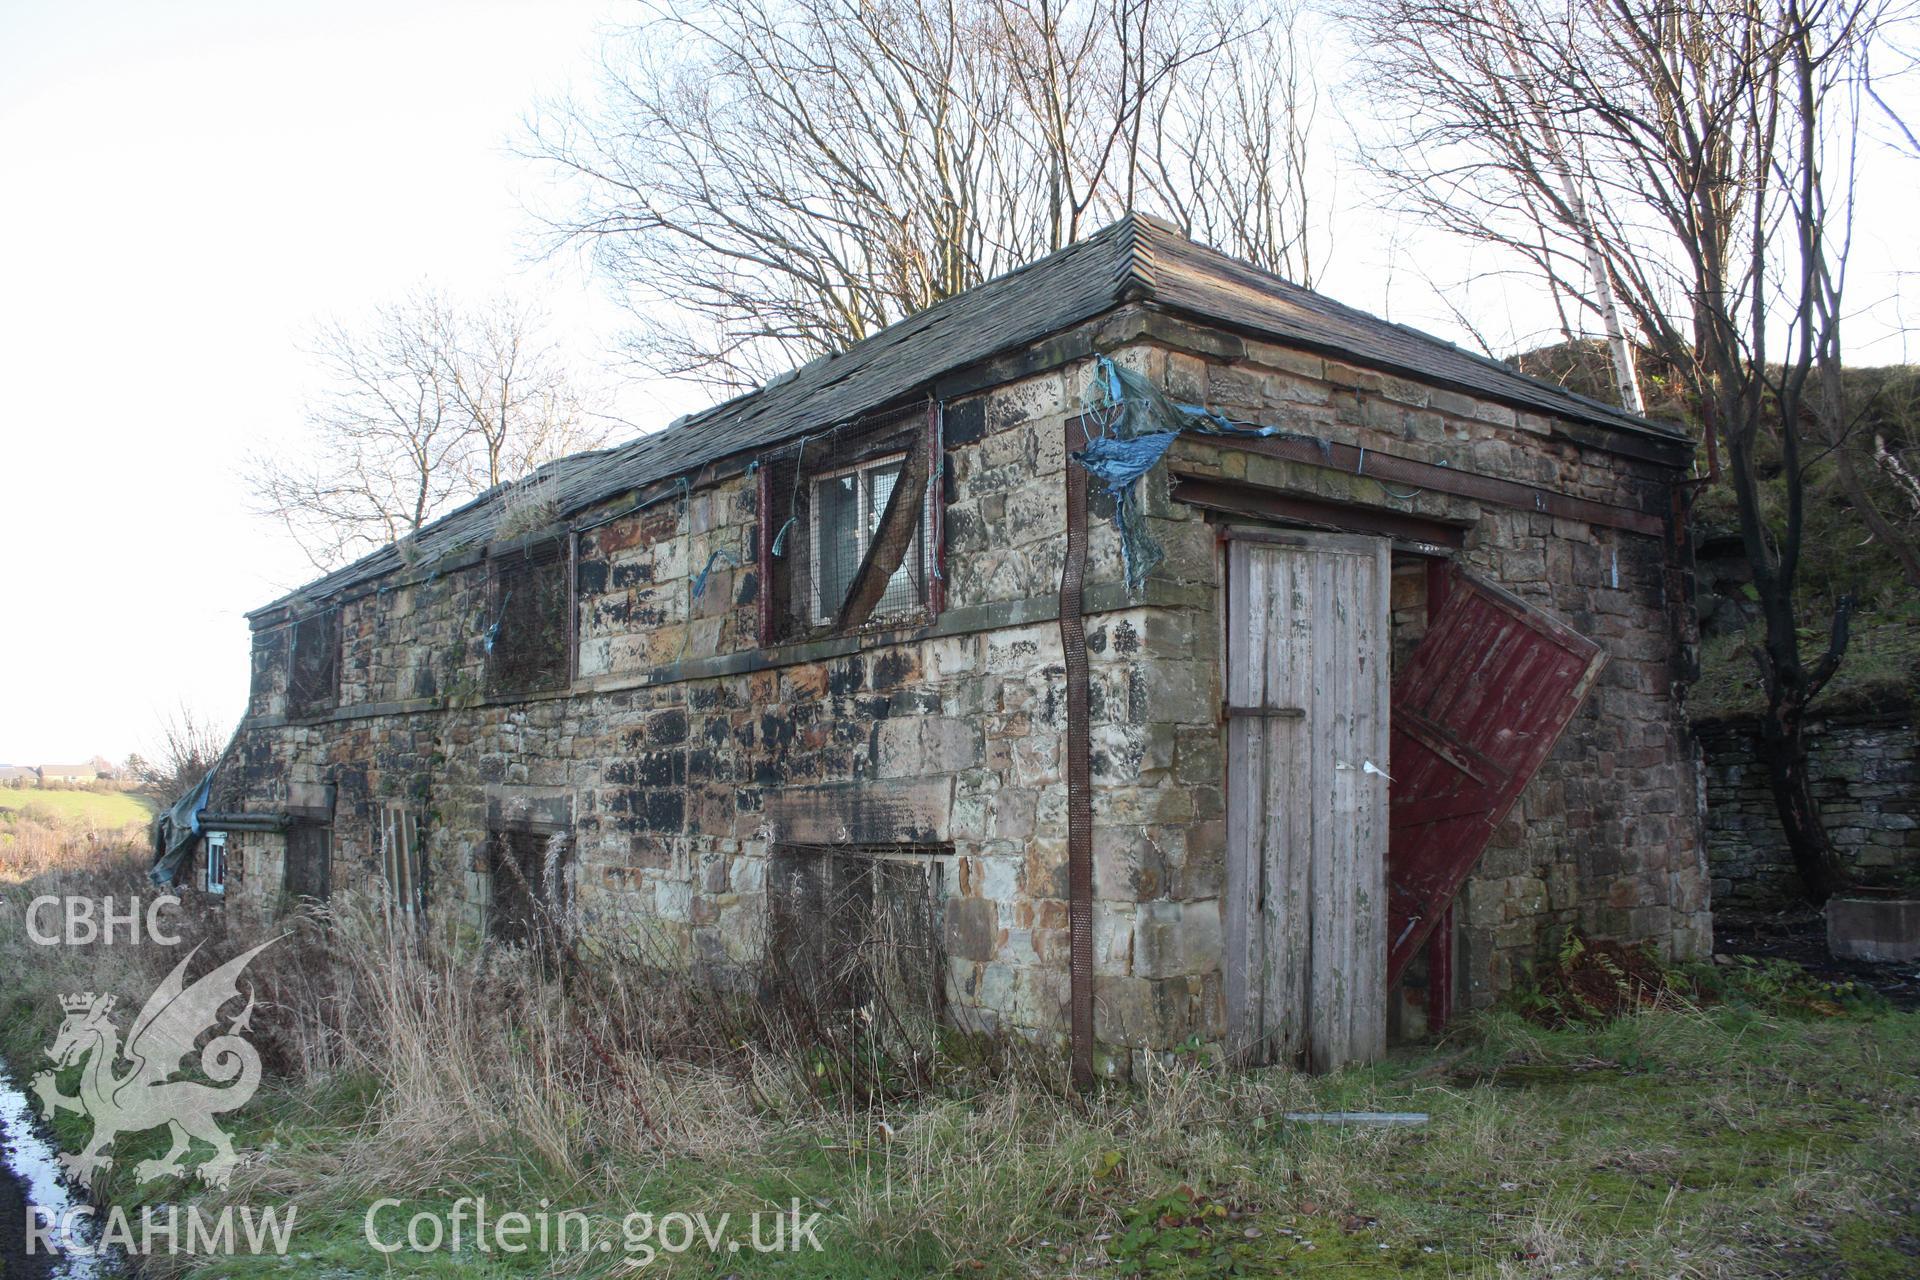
{"points": [[1384, 1119]]}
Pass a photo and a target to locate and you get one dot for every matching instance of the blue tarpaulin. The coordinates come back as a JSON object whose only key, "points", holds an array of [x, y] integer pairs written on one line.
{"points": [[1131, 424], [175, 831]]}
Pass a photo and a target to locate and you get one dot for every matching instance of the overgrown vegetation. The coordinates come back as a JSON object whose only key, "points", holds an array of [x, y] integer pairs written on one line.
{"points": [[1746, 1123]]}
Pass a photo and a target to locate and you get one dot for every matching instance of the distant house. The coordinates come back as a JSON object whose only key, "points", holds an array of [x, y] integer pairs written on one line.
{"points": [[57, 774], [16, 773]]}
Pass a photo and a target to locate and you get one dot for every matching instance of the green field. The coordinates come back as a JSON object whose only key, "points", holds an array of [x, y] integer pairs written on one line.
{"points": [[101, 809]]}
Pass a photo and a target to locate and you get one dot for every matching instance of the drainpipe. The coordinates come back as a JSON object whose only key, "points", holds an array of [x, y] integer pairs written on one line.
{"points": [[1073, 643]]}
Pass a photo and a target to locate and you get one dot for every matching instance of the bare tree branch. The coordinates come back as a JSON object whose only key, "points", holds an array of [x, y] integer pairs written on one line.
{"points": [[427, 405], [769, 181]]}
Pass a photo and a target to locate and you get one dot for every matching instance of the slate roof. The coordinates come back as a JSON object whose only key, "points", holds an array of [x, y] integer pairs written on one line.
{"points": [[1138, 259]]}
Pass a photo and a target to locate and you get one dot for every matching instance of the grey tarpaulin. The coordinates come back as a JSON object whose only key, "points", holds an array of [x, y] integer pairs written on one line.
{"points": [[175, 831]]}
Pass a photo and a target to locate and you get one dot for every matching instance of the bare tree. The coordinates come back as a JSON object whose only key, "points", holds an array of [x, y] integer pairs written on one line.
{"points": [[512, 385], [428, 404], [1231, 156], [188, 745], [1695, 158], [772, 180]]}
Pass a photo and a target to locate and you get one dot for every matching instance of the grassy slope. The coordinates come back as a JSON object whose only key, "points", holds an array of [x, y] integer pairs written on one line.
{"points": [[1881, 670], [102, 810]]}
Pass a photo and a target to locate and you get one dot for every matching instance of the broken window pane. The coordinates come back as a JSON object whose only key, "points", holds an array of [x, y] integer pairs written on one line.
{"points": [[824, 505], [847, 510], [839, 541], [216, 878]]}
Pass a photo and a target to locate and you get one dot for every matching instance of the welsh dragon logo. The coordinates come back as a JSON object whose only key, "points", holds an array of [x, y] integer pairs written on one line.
{"points": [[144, 1096]]}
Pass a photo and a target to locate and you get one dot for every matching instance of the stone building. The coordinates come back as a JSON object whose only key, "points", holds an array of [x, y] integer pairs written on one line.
{"points": [[871, 645]]}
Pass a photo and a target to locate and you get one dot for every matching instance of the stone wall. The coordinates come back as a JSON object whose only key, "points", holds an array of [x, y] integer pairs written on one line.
{"points": [[682, 753], [1866, 772], [1607, 836]]}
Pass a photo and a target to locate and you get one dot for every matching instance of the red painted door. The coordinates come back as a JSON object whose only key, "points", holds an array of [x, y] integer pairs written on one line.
{"points": [[1481, 702]]}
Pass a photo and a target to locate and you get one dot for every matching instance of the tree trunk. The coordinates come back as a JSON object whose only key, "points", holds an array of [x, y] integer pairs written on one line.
{"points": [[1783, 748]]}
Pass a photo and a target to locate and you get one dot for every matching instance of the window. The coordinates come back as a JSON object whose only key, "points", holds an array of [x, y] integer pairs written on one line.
{"points": [[847, 506], [216, 878], [313, 673], [834, 553], [527, 872], [402, 865], [528, 637], [849, 923], [309, 866]]}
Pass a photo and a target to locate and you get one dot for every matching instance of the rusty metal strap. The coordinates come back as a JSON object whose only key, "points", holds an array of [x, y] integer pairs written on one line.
{"points": [[1073, 644], [1231, 712]]}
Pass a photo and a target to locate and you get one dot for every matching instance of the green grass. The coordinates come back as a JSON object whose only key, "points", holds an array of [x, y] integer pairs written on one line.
{"points": [[100, 809], [1769, 1129], [1732, 1141]]}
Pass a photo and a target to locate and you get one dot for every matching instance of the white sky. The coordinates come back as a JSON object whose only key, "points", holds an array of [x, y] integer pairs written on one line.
{"points": [[186, 186]]}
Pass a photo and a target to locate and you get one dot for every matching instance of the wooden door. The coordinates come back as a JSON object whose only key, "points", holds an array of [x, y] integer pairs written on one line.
{"points": [[1482, 701], [1307, 685]]}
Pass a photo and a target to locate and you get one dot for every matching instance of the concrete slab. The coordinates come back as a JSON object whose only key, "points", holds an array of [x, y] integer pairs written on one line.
{"points": [[1881, 929]]}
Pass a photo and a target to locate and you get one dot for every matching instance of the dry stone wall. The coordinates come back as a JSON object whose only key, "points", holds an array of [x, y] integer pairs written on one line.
{"points": [[1866, 775]]}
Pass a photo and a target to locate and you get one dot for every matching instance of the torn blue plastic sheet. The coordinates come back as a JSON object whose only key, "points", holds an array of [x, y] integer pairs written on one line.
{"points": [[175, 831], [1118, 464], [700, 579], [1131, 423]]}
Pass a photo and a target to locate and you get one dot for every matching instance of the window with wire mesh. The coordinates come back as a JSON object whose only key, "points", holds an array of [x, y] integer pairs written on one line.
{"points": [[313, 669], [402, 865], [528, 637], [841, 557], [525, 871], [858, 927]]}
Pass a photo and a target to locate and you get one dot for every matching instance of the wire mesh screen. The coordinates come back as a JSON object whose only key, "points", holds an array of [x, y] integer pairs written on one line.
{"points": [[526, 873], [858, 927], [851, 526], [313, 674], [528, 636]]}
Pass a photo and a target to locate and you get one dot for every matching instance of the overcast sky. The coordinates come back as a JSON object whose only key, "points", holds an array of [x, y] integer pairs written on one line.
{"points": [[186, 186]]}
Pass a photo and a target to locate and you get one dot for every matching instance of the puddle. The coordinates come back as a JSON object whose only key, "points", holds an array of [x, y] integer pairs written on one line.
{"points": [[32, 1168]]}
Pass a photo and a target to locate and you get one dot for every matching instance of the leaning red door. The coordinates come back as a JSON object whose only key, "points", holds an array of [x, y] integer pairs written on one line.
{"points": [[1476, 711]]}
